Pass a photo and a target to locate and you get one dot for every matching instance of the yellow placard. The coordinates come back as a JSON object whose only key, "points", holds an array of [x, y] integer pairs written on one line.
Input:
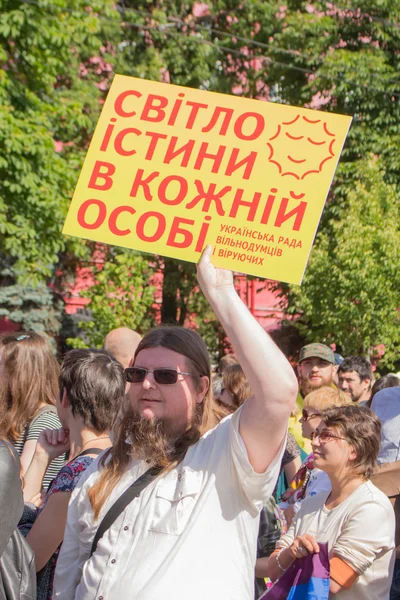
{"points": [[171, 168]]}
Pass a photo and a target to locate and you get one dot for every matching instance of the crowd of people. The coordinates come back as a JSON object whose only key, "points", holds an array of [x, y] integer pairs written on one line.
{"points": [[136, 472]]}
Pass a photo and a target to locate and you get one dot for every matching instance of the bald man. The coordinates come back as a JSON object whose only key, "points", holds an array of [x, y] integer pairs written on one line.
{"points": [[122, 343]]}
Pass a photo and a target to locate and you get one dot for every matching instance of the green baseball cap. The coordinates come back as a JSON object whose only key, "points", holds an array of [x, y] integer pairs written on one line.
{"points": [[317, 351]]}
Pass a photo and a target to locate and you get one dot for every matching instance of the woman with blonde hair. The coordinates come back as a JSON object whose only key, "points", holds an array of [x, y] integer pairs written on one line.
{"points": [[309, 480], [28, 391]]}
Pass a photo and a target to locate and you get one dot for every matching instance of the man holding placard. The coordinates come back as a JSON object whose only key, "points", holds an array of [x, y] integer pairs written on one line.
{"points": [[172, 510], [190, 528]]}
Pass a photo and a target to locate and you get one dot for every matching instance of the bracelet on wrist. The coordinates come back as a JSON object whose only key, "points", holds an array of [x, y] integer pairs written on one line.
{"points": [[278, 561]]}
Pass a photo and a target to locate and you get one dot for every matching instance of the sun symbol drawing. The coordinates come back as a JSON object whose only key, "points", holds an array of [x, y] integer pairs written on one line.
{"points": [[301, 147]]}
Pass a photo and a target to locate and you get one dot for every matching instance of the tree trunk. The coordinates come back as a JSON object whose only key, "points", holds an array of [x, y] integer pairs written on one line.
{"points": [[169, 307]]}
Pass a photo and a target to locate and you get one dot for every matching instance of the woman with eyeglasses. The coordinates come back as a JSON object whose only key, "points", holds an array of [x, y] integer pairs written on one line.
{"points": [[355, 518], [309, 480]]}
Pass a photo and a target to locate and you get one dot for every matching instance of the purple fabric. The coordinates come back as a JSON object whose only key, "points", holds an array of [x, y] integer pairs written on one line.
{"points": [[307, 572]]}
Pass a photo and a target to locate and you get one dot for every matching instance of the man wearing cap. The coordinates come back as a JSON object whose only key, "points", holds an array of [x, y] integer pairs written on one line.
{"points": [[316, 367]]}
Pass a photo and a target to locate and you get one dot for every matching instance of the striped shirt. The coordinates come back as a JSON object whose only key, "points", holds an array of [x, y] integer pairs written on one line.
{"points": [[46, 420], [386, 406]]}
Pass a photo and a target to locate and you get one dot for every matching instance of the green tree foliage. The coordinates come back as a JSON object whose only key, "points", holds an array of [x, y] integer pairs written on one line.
{"points": [[43, 100], [59, 58], [343, 58], [346, 55], [121, 297], [350, 292], [168, 41], [34, 307]]}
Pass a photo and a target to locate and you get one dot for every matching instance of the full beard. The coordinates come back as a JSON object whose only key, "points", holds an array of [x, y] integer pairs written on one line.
{"points": [[308, 386], [150, 442]]}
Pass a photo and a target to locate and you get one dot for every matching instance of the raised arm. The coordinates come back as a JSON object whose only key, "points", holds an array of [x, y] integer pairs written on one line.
{"points": [[264, 418]]}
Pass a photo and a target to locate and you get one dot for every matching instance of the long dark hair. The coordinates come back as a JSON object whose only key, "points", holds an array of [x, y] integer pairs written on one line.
{"points": [[115, 461]]}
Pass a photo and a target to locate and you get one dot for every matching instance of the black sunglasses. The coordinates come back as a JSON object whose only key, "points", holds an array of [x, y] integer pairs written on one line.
{"points": [[162, 376], [306, 416]]}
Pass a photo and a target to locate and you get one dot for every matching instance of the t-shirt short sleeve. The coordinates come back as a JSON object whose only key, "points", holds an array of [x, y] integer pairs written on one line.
{"points": [[47, 420], [70, 474], [257, 487]]}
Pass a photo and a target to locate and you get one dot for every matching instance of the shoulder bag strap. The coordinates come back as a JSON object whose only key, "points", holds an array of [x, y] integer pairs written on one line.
{"points": [[126, 498]]}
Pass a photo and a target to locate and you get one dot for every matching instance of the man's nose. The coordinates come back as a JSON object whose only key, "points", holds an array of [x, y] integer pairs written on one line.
{"points": [[149, 381]]}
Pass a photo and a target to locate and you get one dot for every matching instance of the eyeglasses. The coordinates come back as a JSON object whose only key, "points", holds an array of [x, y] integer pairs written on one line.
{"points": [[325, 436], [162, 376], [307, 416]]}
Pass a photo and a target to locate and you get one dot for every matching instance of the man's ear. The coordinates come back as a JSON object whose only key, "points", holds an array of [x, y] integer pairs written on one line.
{"points": [[298, 370], [203, 388]]}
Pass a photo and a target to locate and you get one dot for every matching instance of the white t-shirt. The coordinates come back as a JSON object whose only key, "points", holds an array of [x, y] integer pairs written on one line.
{"points": [[191, 534], [360, 531]]}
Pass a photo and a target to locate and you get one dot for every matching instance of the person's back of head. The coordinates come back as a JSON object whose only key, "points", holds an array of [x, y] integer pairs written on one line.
{"points": [[326, 397], [122, 343], [387, 381], [95, 386], [235, 382], [28, 378], [227, 361]]}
